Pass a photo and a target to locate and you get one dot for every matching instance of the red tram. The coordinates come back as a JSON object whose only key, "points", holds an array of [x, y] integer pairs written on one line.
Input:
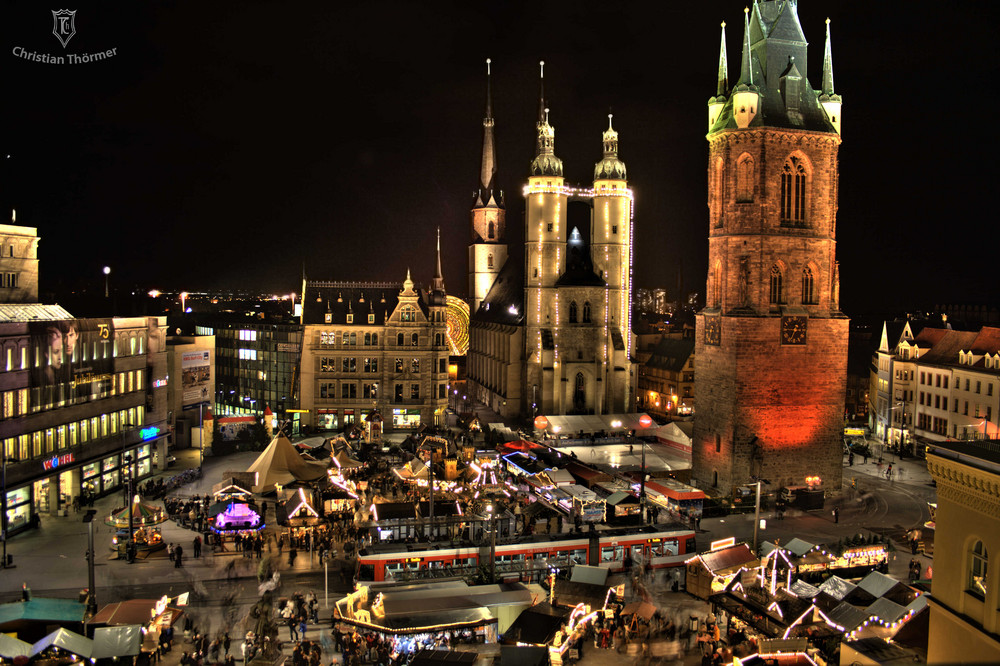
{"points": [[529, 558]]}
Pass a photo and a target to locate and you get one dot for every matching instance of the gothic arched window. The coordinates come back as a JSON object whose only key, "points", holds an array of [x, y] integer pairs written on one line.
{"points": [[717, 189], [572, 312], [716, 284], [776, 288], [399, 339], [808, 293], [490, 230], [793, 192], [489, 257], [744, 178], [586, 313]]}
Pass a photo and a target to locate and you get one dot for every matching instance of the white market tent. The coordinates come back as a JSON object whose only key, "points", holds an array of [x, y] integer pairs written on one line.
{"points": [[67, 640], [281, 464], [121, 641]]}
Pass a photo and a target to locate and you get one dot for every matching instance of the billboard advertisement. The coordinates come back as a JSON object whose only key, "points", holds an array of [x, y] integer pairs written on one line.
{"points": [[72, 358], [196, 377]]}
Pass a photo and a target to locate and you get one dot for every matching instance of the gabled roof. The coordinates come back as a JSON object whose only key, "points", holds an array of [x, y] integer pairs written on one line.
{"points": [[67, 640], [847, 616], [798, 547], [728, 558], [877, 584], [837, 587], [987, 341], [945, 350], [357, 298], [671, 354]]}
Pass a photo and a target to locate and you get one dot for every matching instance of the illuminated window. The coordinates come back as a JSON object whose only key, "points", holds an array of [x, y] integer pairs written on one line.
{"points": [[407, 313], [415, 365], [978, 562], [399, 365], [793, 192], [350, 318], [414, 339], [776, 287], [371, 318], [807, 286], [415, 391]]}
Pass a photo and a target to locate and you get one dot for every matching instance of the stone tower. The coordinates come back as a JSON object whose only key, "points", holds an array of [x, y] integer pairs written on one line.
{"points": [[488, 250], [771, 342]]}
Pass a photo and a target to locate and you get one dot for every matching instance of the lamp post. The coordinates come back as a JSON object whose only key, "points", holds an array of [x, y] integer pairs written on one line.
{"points": [[107, 273], [129, 543], [493, 542], [91, 589], [756, 513]]}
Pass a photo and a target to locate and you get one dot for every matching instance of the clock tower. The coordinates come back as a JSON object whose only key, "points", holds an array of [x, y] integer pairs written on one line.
{"points": [[771, 342]]}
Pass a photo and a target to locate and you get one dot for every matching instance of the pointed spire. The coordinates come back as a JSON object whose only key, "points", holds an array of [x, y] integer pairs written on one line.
{"points": [[437, 272], [828, 63], [746, 71], [488, 168], [543, 113], [723, 86]]}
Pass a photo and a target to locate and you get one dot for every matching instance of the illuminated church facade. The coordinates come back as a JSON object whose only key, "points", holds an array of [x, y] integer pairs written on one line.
{"points": [[551, 334], [771, 342]]}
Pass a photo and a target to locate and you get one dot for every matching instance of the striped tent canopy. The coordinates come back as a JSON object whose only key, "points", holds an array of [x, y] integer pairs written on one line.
{"points": [[143, 515]]}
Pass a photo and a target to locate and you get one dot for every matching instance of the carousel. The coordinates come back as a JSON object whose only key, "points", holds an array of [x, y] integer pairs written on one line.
{"points": [[143, 519]]}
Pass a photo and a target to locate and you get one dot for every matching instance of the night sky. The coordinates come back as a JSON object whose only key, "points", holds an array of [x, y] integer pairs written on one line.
{"points": [[226, 144]]}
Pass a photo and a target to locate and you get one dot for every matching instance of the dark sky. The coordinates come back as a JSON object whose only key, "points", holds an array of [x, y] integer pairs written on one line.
{"points": [[227, 143]]}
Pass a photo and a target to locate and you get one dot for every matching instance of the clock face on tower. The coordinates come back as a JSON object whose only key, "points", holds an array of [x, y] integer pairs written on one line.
{"points": [[713, 330], [793, 330]]}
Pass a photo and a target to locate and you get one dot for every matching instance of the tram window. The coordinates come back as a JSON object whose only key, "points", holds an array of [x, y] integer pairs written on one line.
{"points": [[580, 555], [611, 553], [689, 546], [366, 572], [436, 564], [637, 551], [670, 547]]}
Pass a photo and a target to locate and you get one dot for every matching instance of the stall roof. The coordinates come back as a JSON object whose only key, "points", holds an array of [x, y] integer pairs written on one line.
{"points": [[674, 489], [523, 655], [11, 647], [798, 547], [877, 584], [43, 609], [643, 609], [583, 573], [441, 618], [621, 497], [537, 625], [64, 639], [438, 657], [803, 590], [121, 641], [847, 616], [395, 510], [133, 611], [727, 558], [837, 587], [886, 610]]}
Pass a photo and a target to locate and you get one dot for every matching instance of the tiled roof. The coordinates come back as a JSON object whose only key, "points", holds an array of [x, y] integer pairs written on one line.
{"points": [[357, 298], [726, 558], [671, 354], [504, 303]]}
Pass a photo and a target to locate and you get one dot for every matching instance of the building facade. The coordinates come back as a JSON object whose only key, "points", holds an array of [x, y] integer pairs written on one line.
{"points": [[937, 385], [18, 263], [369, 346], [666, 380], [191, 360], [964, 600], [84, 407], [771, 342], [553, 336]]}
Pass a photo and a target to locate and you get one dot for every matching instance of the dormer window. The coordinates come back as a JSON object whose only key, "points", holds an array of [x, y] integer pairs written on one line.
{"points": [[350, 318]]}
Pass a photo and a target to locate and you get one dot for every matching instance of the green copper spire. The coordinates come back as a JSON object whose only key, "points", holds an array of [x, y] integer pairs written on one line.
{"points": [[723, 86], [828, 63]]}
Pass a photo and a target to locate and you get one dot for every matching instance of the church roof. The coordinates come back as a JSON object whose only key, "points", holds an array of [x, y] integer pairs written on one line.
{"points": [[777, 53], [22, 312], [504, 303]]}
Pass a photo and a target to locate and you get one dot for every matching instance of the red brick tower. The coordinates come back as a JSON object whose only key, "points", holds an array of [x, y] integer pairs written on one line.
{"points": [[771, 342]]}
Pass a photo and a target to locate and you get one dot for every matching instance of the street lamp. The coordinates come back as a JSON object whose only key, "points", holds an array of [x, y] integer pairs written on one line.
{"points": [[129, 543], [756, 512], [107, 272], [184, 296], [91, 589], [493, 542]]}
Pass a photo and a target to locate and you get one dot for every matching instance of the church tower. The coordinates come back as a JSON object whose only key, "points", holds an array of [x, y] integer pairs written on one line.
{"points": [[771, 342], [611, 241], [488, 250], [545, 260]]}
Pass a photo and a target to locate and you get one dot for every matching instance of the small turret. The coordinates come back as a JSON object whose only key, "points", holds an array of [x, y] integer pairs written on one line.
{"points": [[830, 100], [716, 104], [545, 163], [746, 97], [610, 167]]}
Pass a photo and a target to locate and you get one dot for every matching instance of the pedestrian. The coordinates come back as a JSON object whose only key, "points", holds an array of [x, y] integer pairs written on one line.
{"points": [[836, 514], [178, 556], [170, 551], [226, 642], [888, 472], [293, 634], [865, 454], [197, 546], [303, 627], [850, 459]]}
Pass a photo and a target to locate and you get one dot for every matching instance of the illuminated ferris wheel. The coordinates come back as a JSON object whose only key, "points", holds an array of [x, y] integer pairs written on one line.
{"points": [[458, 326]]}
